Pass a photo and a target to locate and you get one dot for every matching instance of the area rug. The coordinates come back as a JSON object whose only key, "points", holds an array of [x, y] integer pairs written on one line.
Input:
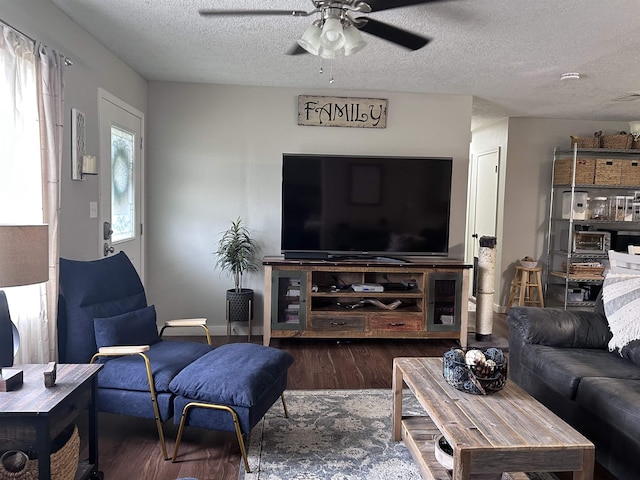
{"points": [[332, 435]]}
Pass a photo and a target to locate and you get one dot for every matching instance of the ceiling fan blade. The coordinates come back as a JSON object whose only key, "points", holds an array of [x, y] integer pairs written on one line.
{"points": [[246, 13], [390, 33], [297, 50], [378, 5]]}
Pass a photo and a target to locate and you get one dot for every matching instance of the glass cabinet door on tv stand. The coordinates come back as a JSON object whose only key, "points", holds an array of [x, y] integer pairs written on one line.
{"points": [[288, 310], [444, 293]]}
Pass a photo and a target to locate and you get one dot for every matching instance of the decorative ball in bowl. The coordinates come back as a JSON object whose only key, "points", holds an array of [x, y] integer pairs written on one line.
{"points": [[528, 262], [476, 371]]}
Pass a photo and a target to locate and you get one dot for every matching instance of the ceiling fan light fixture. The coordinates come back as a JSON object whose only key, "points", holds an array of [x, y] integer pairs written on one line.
{"points": [[332, 36], [353, 40], [331, 54], [310, 39]]}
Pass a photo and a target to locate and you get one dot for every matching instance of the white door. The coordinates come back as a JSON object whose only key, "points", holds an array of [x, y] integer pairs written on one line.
{"points": [[486, 202], [121, 180]]}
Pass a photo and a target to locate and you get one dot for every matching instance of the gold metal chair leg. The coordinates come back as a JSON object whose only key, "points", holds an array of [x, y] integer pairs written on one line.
{"points": [[154, 401], [152, 390], [236, 424]]}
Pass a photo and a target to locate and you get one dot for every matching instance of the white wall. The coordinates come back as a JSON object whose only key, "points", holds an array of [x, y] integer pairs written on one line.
{"points": [[93, 66], [525, 184], [215, 152]]}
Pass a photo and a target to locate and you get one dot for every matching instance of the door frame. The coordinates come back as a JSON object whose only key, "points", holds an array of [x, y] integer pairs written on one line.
{"points": [[104, 95]]}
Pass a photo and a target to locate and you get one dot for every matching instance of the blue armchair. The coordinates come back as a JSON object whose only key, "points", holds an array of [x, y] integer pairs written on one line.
{"points": [[103, 316]]}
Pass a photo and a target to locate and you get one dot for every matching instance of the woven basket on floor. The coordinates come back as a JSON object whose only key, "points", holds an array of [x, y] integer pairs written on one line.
{"points": [[620, 140], [64, 461]]}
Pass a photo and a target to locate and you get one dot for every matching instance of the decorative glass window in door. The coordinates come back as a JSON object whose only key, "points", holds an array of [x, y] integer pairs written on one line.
{"points": [[122, 185]]}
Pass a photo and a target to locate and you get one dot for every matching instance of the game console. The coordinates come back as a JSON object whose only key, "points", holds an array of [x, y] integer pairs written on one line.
{"points": [[367, 287]]}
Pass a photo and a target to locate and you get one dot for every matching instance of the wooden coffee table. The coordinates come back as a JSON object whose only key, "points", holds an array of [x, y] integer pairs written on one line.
{"points": [[508, 431]]}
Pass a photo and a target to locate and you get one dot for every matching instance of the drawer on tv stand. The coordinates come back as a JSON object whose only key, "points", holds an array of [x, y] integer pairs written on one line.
{"points": [[337, 323]]}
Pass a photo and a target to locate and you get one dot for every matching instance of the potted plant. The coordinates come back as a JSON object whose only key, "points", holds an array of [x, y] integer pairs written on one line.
{"points": [[236, 255]]}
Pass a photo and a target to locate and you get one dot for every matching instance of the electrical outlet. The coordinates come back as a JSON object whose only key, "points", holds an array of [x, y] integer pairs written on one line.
{"points": [[93, 209]]}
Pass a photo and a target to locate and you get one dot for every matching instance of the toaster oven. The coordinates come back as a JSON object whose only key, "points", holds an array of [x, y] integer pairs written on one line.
{"points": [[587, 242]]}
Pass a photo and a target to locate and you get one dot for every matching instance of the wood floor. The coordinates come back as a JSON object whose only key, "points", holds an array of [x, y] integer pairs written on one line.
{"points": [[129, 448]]}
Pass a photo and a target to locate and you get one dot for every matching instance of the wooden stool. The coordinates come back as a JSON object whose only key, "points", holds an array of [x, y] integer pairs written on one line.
{"points": [[526, 282]]}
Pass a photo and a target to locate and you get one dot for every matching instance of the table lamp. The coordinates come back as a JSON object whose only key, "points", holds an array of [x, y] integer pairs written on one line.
{"points": [[24, 260]]}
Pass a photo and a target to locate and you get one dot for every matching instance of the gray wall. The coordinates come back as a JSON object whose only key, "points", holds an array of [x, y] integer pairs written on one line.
{"points": [[93, 66], [215, 152]]}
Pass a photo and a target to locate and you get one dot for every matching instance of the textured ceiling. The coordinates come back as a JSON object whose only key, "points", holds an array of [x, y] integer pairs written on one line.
{"points": [[508, 54]]}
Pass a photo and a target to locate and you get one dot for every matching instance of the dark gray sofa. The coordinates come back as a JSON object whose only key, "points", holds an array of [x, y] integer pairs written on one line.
{"points": [[561, 358]]}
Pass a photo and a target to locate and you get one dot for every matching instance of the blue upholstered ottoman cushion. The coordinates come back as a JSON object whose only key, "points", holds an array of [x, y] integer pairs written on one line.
{"points": [[167, 359], [233, 374]]}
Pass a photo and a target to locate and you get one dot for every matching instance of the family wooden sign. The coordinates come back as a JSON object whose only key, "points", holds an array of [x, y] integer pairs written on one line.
{"points": [[342, 112]]}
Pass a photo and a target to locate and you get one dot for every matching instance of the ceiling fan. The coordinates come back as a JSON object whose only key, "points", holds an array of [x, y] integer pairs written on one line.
{"points": [[336, 32]]}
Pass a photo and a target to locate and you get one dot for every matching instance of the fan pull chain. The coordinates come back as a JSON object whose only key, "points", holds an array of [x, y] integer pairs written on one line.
{"points": [[321, 71]]}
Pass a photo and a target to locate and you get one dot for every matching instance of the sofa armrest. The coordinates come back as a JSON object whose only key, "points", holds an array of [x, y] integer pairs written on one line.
{"points": [[555, 327]]}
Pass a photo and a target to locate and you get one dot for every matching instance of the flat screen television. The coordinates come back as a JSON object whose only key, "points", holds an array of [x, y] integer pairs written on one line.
{"points": [[361, 205]]}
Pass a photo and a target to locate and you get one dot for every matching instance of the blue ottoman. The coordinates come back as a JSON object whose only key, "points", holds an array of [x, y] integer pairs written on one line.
{"points": [[230, 388]]}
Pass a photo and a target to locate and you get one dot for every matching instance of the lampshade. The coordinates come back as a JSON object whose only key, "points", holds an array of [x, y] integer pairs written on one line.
{"points": [[634, 127], [353, 40], [310, 39], [24, 260], [332, 37], [24, 254]]}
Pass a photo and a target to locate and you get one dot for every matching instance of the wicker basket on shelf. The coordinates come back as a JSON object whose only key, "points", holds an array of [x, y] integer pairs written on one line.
{"points": [[584, 269], [585, 171], [622, 140], [586, 142]]}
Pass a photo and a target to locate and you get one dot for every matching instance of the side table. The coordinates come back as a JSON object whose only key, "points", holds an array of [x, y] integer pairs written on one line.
{"points": [[33, 415]]}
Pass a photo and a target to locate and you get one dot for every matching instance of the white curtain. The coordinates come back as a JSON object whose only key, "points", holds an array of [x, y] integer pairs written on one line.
{"points": [[49, 68], [31, 136]]}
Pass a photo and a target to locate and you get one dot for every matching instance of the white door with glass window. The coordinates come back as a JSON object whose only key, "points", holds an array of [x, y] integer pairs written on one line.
{"points": [[121, 171]]}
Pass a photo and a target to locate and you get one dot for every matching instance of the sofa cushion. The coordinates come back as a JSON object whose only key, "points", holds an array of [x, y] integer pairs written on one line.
{"points": [[233, 374], [614, 400], [132, 328], [167, 358], [632, 351], [564, 368]]}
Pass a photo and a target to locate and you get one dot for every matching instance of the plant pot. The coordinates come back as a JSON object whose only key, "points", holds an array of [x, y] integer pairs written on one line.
{"points": [[239, 305]]}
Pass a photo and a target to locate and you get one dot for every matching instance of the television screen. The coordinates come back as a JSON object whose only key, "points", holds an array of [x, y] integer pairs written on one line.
{"points": [[365, 205]]}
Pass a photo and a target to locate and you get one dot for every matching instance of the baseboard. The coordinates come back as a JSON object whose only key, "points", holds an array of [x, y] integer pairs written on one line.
{"points": [[239, 329]]}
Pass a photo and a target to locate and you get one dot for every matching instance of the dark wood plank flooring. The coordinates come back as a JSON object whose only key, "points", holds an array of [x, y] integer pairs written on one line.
{"points": [[129, 448]]}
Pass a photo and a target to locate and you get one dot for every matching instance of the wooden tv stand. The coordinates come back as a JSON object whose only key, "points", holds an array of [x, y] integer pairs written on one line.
{"points": [[315, 298]]}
